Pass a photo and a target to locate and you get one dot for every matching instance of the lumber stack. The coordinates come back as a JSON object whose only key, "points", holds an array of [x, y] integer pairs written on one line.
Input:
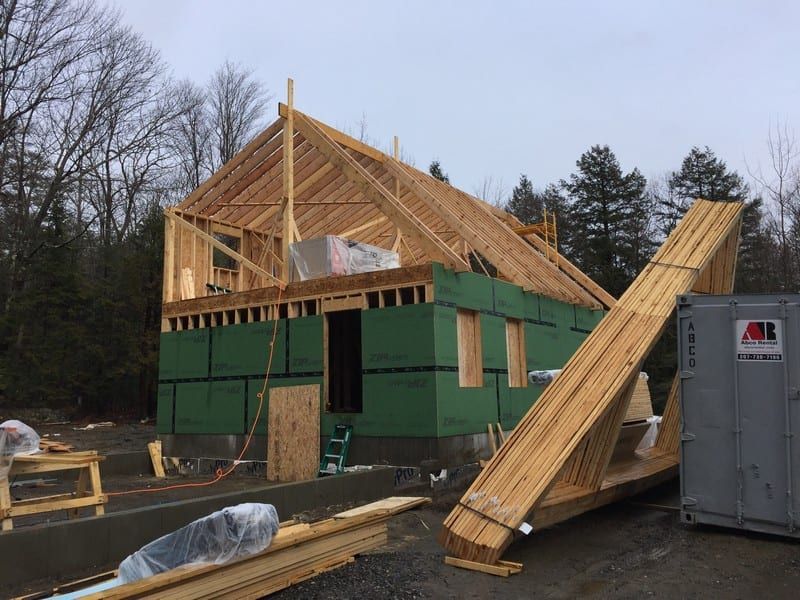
{"points": [[563, 445], [298, 552], [641, 406]]}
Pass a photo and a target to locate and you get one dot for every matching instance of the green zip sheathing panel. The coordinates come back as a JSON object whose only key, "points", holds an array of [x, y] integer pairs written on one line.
{"points": [[183, 354], [464, 289], [464, 410], [305, 345], [395, 404], [514, 402], [409, 361], [493, 342], [587, 319], [509, 299], [164, 408], [243, 349], [210, 407], [398, 337]]}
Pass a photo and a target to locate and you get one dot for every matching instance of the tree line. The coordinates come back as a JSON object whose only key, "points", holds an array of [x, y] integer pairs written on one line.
{"points": [[610, 222], [96, 137]]}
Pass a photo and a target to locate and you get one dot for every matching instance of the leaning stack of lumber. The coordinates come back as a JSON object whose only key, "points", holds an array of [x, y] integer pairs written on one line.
{"points": [[297, 552], [641, 406], [590, 388]]}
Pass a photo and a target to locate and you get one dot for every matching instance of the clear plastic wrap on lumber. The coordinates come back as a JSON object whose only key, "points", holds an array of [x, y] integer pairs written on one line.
{"points": [[563, 433]]}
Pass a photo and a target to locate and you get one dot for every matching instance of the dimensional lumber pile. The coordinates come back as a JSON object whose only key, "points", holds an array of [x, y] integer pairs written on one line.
{"points": [[555, 463], [298, 552]]}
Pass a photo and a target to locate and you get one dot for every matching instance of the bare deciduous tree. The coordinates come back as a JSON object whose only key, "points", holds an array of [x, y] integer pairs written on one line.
{"points": [[491, 190], [782, 187], [237, 103]]}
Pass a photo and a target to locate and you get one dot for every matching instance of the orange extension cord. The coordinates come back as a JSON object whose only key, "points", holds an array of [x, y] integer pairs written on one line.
{"points": [[220, 473]]}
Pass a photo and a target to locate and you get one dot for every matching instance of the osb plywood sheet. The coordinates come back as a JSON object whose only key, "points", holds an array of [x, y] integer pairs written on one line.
{"points": [[293, 433]]}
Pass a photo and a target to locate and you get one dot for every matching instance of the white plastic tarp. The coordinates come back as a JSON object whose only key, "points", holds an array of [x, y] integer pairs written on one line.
{"points": [[332, 256], [224, 535]]}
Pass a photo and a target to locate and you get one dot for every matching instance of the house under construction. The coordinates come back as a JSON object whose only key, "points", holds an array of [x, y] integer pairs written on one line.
{"points": [[418, 359]]}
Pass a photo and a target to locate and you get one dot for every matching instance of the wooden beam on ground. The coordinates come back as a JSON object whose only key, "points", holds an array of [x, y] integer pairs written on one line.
{"points": [[224, 249], [502, 568], [376, 193]]}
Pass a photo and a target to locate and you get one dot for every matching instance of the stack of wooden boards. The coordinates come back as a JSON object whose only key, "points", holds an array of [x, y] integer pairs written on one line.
{"points": [[641, 405], [53, 446], [555, 463], [298, 552]]}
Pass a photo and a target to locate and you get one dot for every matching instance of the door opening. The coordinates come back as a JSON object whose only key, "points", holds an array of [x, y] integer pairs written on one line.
{"points": [[344, 361]]}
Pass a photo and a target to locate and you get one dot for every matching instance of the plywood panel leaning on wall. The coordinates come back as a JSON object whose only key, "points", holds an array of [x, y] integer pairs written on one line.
{"points": [[293, 433]]}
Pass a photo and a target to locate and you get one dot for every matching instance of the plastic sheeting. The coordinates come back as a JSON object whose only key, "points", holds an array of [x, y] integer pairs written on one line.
{"points": [[232, 532], [543, 377], [15, 438], [332, 256]]}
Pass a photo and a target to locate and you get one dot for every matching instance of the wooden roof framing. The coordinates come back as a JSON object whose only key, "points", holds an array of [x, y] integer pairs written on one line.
{"points": [[342, 186]]}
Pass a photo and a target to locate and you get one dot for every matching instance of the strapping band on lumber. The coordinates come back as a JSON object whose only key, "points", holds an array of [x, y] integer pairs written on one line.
{"points": [[519, 478]]}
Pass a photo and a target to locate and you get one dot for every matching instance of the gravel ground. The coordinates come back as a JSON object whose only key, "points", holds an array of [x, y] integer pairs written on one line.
{"points": [[622, 551]]}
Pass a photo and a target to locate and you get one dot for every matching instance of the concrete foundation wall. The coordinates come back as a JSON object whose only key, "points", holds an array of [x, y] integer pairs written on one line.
{"points": [[59, 550], [364, 450]]}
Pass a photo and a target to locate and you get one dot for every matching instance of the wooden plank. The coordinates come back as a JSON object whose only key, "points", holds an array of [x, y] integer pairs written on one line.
{"points": [[501, 569], [348, 303], [391, 505], [289, 226], [169, 260], [293, 433], [363, 226], [154, 448], [492, 441], [223, 248]]}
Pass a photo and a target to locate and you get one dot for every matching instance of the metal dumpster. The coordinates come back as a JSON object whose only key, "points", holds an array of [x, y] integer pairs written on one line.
{"points": [[739, 361]]}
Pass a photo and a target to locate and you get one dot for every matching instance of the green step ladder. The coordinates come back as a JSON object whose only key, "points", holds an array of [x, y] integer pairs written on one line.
{"points": [[336, 453]]}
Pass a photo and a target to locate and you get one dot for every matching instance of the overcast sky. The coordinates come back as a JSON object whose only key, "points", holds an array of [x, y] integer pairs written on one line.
{"points": [[503, 88]]}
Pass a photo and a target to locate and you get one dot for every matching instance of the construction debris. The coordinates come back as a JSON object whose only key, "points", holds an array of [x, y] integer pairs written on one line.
{"points": [[556, 462]]}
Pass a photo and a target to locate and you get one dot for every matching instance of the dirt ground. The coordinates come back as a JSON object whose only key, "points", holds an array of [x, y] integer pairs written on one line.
{"points": [[124, 436], [622, 551]]}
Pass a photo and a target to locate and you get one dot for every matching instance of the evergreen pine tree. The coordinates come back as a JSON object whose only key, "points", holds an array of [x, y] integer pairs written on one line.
{"points": [[702, 175], [756, 267], [608, 212], [437, 172], [524, 202]]}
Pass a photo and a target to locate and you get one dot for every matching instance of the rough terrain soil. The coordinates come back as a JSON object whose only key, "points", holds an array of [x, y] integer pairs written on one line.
{"points": [[623, 551]]}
